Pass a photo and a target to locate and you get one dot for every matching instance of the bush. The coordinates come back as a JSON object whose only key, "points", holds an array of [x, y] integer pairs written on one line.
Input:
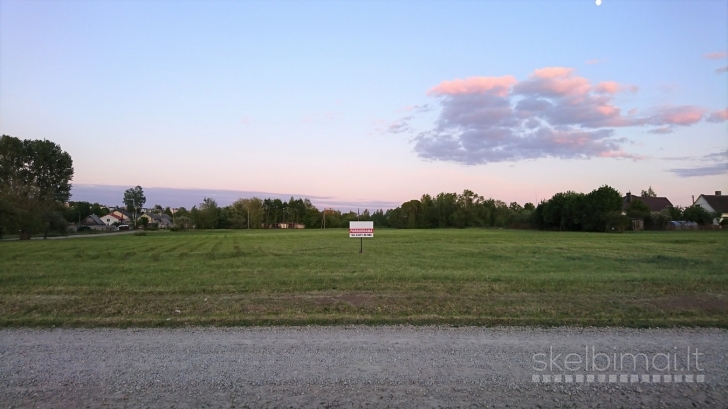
{"points": [[615, 221], [658, 220], [699, 215], [182, 223]]}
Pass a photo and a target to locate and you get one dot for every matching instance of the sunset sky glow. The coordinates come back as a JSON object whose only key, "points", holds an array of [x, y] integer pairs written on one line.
{"points": [[370, 104]]}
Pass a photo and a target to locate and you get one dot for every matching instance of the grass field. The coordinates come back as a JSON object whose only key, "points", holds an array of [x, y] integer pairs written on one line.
{"points": [[459, 277]]}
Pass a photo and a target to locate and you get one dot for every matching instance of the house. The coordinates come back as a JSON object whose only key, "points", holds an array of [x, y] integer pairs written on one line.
{"points": [[111, 218], [122, 216], [162, 221], [655, 204], [714, 203], [94, 222]]}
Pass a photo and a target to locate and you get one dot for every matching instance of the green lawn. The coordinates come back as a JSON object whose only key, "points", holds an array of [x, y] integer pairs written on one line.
{"points": [[460, 277]]}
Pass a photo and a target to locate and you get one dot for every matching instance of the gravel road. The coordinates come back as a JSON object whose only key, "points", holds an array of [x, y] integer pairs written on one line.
{"points": [[394, 366]]}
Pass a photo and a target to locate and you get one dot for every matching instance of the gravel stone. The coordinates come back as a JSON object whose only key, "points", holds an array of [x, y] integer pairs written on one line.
{"points": [[352, 366]]}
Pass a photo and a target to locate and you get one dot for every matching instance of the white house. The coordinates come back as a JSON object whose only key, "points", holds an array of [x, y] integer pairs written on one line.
{"points": [[118, 215], [714, 203], [110, 219]]}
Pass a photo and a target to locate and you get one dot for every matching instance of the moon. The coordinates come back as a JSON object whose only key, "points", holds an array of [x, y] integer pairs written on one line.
{"points": [[599, 2]]}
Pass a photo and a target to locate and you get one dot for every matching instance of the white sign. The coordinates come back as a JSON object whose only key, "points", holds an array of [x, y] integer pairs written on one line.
{"points": [[361, 229]]}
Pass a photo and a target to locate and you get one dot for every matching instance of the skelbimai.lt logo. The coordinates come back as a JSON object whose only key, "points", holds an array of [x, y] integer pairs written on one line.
{"points": [[592, 365]]}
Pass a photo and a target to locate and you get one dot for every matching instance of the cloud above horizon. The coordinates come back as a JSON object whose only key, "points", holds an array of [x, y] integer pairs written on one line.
{"points": [[715, 56], [552, 113], [718, 167], [111, 195], [718, 116]]}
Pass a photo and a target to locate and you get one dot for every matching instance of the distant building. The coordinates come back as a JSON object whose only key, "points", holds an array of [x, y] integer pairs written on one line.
{"points": [[655, 204], [714, 203], [162, 221], [122, 216], [92, 220], [95, 223]]}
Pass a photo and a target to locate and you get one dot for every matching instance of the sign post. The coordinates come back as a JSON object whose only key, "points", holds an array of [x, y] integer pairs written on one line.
{"points": [[361, 230]]}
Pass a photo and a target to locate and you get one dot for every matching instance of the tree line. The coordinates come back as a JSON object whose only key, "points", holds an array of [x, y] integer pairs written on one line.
{"points": [[35, 183], [599, 210], [256, 213]]}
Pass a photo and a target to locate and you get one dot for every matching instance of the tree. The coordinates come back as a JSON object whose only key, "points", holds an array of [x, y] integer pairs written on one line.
{"points": [[698, 215], [598, 204], [142, 222], [648, 193], [577, 211], [182, 223], [209, 213], [35, 179], [638, 210], [676, 213], [246, 213], [134, 200]]}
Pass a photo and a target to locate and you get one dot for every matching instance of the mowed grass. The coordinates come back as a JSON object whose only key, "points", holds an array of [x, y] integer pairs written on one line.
{"points": [[458, 277]]}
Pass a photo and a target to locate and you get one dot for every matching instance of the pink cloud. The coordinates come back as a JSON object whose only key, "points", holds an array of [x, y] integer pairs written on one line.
{"points": [[608, 110], [553, 81], [552, 113], [718, 116], [721, 70], [594, 61], [682, 115], [612, 87], [499, 86], [620, 154], [715, 56], [553, 72]]}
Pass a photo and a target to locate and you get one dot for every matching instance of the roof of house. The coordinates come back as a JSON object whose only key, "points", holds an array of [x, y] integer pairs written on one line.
{"points": [[95, 219], [124, 212], [655, 204], [719, 203], [159, 217]]}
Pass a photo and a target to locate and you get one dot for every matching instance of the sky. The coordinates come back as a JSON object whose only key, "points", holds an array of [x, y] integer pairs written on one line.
{"points": [[367, 104]]}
